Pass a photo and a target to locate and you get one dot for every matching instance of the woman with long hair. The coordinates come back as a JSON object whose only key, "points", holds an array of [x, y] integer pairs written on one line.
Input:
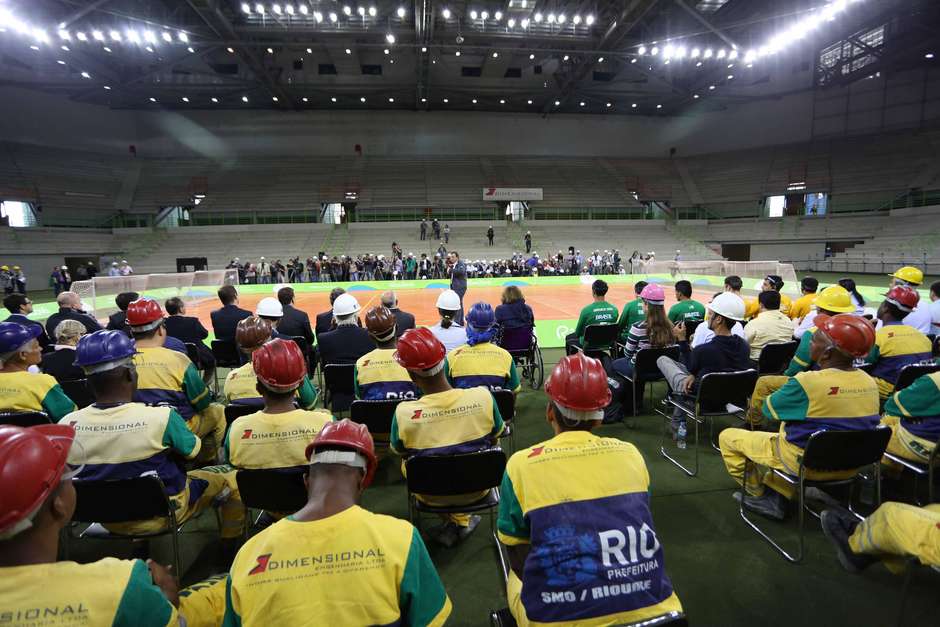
{"points": [[857, 299], [450, 334]]}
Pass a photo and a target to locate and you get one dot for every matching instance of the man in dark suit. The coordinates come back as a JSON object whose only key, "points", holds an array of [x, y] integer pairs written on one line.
{"points": [[226, 318], [189, 330], [294, 322], [348, 342], [19, 307], [325, 319], [403, 319], [70, 308], [118, 320]]}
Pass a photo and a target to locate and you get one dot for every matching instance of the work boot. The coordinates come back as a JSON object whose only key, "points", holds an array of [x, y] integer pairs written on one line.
{"points": [[838, 527], [770, 505], [464, 532]]}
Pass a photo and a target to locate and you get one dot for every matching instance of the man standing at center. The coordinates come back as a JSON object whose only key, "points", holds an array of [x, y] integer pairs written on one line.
{"points": [[458, 281]]}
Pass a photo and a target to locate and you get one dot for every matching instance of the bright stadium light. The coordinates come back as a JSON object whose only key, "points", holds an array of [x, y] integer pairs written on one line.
{"points": [[562, 18], [132, 35], [484, 16], [495, 55], [446, 14], [537, 17], [347, 10], [150, 37], [276, 8], [333, 99], [511, 22], [502, 101], [531, 57], [214, 99], [64, 35], [446, 101], [81, 36], [152, 99], [184, 99], [391, 100], [361, 11], [473, 15], [400, 13], [318, 16], [696, 53], [86, 75], [304, 10], [259, 8], [348, 51], [528, 102], [183, 37], [167, 36], [722, 53], [114, 35], [551, 18], [733, 54], [244, 98], [333, 17], [387, 51], [474, 101], [390, 38], [372, 11], [273, 98], [498, 16], [98, 35], [641, 50], [589, 20], [525, 23], [107, 88], [363, 99], [289, 9], [576, 20], [558, 103], [708, 53], [246, 8], [654, 51]]}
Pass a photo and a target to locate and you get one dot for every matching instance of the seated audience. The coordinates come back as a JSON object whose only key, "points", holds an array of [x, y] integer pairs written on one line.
{"points": [[513, 313], [443, 421], [896, 344], [394, 583], [914, 417], [70, 308], [118, 320], [189, 330], [632, 311], [324, 321], [545, 495], [771, 326], [480, 362], [934, 308], [378, 376], [857, 299], [805, 405], [21, 390], [293, 322], [448, 332], [802, 305], [348, 341], [403, 319], [225, 319], [830, 301], [771, 282], [919, 316], [60, 363], [20, 307], [597, 312], [278, 435], [704, 334], [686, 309]]}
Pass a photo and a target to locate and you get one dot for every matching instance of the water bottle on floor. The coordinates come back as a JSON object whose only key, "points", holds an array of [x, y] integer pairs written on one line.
{"points": [[680, 435]]}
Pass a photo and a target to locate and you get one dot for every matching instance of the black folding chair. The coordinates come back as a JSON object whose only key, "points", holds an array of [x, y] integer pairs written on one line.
{"points": [[376, 416], [716, 391], [503, 618], [828, 451], [920, 469], [226, 356], [506, 402], [234, 411], [644, 365], [308, 352], [126, 500], [24, 418], [78, 391], [602, 338], [280, 490], [775, 357], [912, 372], [450, 475], [192, 351], [338, 379]]}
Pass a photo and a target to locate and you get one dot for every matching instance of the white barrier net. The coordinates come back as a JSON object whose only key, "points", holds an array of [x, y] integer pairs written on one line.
{"points": [[752, 273], [98, 294]]}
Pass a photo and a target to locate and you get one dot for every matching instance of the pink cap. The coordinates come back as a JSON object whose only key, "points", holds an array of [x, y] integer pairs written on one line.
{"points": [[653, 294]]}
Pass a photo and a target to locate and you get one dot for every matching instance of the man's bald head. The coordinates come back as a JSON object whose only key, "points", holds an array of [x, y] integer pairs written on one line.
{"points": [[69, 300], [390, 300]]}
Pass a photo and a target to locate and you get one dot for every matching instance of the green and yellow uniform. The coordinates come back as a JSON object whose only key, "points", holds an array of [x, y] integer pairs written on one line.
{"points": [[600, 312], [263, 440], [241, 388], [914, 417], [896, 345], [897, 531], [802, 306], [631, 314], [483, 364], [379, 377], [686, 311], [25, 391]]}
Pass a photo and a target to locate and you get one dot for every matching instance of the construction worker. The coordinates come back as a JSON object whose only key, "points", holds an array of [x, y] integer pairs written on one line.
{"points": [[479, 362], [599, 311], [122, 439], [833, 300], [836, 397], [378, 375], [167, 376], [241, 384], [893, 533], [277, 436], [333, 560], [632, 311], [914, 417], [771, 282], [686, 309], [802, 305], [896, 343], [567, 508], [444, 420], [919, 317], [21, 390]]}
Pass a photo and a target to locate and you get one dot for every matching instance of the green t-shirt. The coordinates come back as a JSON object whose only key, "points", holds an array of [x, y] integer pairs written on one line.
{"points": [[686, 311], [631, 314], [596, 313]]}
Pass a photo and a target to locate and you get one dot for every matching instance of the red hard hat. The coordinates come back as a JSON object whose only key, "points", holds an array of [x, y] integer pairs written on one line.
{"points": [[850, 333], [143, 312], [346, 434], [32, 461], [279, 365], [579, 382], [418, 349], [903, 297]]}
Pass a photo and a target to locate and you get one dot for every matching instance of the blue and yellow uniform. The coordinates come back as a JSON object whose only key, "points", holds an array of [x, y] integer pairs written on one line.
{"points": [[595, 558], [25, 391], [914, 417], [897, 531], [110, 591], [896, 345], [265, 440], [126, 440], [483, 364], [241, 388], [447, 423], [379, 377], [818, 400], [352, 568], [768, 384]]}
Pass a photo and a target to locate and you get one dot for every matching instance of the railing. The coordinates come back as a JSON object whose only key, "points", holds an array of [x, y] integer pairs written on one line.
{"points": [[373, 214]]}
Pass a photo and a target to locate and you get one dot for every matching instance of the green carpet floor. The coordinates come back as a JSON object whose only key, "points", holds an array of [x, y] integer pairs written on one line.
{"points": [[724, 574]]}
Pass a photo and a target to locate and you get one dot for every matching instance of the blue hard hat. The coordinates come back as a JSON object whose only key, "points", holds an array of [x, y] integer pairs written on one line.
{"points": [[481, 316], [14, 335], [103, 347]]}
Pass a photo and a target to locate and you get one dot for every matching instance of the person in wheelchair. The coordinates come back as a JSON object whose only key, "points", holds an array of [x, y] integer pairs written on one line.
{"points": [[513, 312], [377, 375], [480, 361]]}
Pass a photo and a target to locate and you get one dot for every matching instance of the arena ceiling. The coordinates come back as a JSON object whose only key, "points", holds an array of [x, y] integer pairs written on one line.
{"points": [[650, 57]]}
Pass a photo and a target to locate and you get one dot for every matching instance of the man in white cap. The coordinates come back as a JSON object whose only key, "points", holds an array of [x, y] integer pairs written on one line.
{"points": [[348, 341], [126, 269], [114, 270], [272, 310]]}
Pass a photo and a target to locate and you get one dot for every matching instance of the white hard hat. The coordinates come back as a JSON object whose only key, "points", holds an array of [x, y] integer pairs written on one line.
{"points": [[123, 260], [113, 263], [678, 251], [728, 305], [449, 301], [270, 307], [262, 258], [345, 304], [65, 267]]}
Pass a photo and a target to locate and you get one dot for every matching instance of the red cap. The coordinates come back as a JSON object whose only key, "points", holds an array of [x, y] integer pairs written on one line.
{"points": [[32, 461], [850, 333], [144, 312], [579, 382], [903, 297], [346, 434], [418, 349], [279, 365]]}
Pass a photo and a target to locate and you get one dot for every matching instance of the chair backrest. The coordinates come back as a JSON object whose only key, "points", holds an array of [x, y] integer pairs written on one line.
{"points": [[912, 372], [309, 354], [226, 354], [775, 357], [442, 475], [727, 387], [690, 327], [600, 336], [276, 490], [234, 411], [193, 352], [24, 418], [339, 377], [646, 357], [845, 450], [517, 340], [506, 402], [375, 415], [122, 500], [79, 391], [673, 619], [301, 342]]}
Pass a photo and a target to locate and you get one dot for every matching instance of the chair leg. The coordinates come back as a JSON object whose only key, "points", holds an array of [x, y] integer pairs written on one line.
{"points": [[908, 578], [175, 537], [662, 447], [795, 559]]}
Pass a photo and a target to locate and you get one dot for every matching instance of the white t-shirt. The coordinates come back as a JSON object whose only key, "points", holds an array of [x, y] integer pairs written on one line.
{"points": [[703, 334], [451, 337], [934, 308], [920, 318]]}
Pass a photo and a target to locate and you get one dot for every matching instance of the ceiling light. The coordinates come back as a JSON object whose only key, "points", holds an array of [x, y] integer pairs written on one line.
{"points": [[711, 87], [34, 47], [730, 76], [446, 14], [304, 9], [600, 59], [167, 36], [696, 96], [498, 16], [114, 35], [246, 8], [133, 36], [333, 99], [659, 106], [609, 105], [81, 36], [484, 15], [152, 99], [696, 53], [457, 53], [230, 50], [347, 11], [641, 50], [183, 37], [566, 57], [66, 48], [150, 37], [244, 98], [558, 103], [373, 11], [391, 60], [538, 17], [60, 62], [318, 16], [214, 99], [385, 51], [654, 51], [274, 98], [589, 20], [474, 101], [309, 50], [576, 19], [190, 49], [348, 51], [524, 23], [929, 55], [495, 55], [400, 12], [363, 99], [270, 50], [106, 49], [562, 18], [667, 62], [391, 100], [681, 52], [733, 54], [259, 8], [582, 103], [98, 35], [184, 99], [730, 65], [511, 23], [361, 11], [290, 9], [699, 64], [633, 60], [531, 57], [633, 106], [390, 38], [86, 75], [708, 53], [502, 101], [473, 15], [446, 100], [424, 100], [551, 18], [333, 17], [424, 49], [721, 53]]}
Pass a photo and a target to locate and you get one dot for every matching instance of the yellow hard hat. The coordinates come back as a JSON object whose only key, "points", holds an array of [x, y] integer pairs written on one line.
{"points": [[16, 267], [835, 298], [4, 268], [909, 274]]}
